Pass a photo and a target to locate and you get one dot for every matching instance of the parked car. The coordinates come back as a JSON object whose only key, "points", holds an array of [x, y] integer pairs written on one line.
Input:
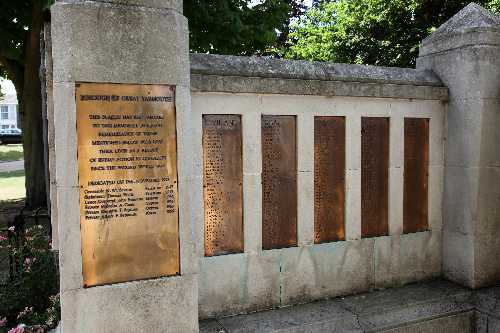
{"points": [[10, 135]]}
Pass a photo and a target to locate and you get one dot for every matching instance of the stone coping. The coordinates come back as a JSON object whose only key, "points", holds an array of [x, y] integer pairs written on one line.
{"points": [[473, 26], [259, 85], [176, 5], [224, 65], [423, 307], [233, 74]]}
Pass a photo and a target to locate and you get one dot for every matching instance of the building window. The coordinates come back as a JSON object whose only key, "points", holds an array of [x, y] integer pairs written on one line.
{"points": [[18, 119], [4, 112], [5, 126]]}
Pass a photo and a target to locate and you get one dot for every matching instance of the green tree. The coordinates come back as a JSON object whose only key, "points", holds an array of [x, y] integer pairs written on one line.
{"points": [[494, 6], [235, 27], [21, 23], [377, 32]]}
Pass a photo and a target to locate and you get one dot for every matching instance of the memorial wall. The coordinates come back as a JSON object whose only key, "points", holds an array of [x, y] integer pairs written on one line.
{"points": [[310, 192], [198, 186], [304, 192]]}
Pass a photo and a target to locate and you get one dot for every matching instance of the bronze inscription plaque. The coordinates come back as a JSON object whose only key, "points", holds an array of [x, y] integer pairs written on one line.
{"points": [[279, 182], [127, 171], [329, 179], [374, 177], [416, 171], [223, 184]]}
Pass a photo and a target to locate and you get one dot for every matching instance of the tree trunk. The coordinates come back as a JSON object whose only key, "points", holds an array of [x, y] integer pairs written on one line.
{"points": [[31, 115]]}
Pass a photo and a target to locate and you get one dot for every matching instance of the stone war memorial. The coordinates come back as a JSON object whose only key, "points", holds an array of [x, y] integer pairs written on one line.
{"points": [[211, 193]]}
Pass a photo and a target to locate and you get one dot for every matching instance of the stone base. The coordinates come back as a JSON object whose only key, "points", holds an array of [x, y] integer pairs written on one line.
{"points": [[159, 305], [437, 306]]}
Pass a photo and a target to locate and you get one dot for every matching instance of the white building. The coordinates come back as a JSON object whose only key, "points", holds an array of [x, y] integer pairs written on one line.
{"points": [[9, 112]]}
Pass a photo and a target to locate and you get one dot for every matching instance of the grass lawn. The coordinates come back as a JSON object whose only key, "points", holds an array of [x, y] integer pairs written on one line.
{"points": [[12, 185], [11, 153]]}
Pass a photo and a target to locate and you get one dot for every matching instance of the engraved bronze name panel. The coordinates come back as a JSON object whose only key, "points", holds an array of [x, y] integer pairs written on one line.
{"points": [[127, 169], [374, 176], [416, 172], [329, 179], [223, 184], [279, 182]]}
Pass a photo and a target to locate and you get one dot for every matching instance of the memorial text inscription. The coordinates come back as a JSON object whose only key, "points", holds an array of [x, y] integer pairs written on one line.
{"points": [[329, 179], [127, 172], [279, 182], [223, 184], [374, 176], [416, 173]]}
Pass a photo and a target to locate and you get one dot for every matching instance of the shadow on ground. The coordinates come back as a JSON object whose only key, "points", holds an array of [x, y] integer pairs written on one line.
{"points": [[8, 210]]}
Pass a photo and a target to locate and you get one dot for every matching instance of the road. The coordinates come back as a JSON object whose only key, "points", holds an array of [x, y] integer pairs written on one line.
{"points": [[11, 166]]}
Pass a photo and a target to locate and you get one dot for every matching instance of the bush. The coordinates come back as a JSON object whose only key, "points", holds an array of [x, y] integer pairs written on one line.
{"points": [[29, 302]]}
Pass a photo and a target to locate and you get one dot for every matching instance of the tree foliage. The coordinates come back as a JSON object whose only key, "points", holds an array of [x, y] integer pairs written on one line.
{"points": [[21, 23], [377, 32], [237, 27], [15, 18]]}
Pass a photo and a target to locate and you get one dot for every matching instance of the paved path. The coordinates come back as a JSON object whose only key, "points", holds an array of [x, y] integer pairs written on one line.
{"points": [[11, 166]]}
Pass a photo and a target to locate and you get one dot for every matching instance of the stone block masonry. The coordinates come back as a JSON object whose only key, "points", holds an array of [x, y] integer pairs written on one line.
{"points": [[253, 123], [135, 42], [258, 279], [464, 54]]}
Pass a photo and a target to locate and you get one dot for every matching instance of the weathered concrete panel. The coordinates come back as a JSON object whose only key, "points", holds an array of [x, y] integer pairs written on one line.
{"points": [[144, 306], [326, 270], [239, 283], [418, 259], [70, 263], [490, 135], [103, 43], [65, 136], [406, 258], [487, 228], [471, 81], [464, 133], [387, 262]]}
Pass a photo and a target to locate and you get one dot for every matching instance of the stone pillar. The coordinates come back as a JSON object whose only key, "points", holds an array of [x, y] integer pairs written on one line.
{"points": [[121, 41], [49, 102], [465, 53]]}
